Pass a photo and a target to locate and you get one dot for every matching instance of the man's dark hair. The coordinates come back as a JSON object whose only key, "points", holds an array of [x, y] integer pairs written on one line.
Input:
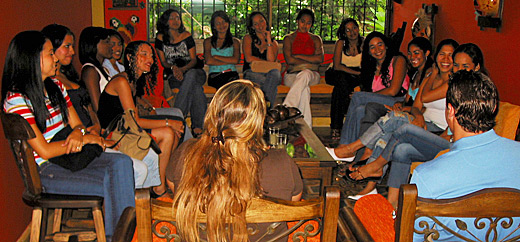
{"points": [[475, 100]]}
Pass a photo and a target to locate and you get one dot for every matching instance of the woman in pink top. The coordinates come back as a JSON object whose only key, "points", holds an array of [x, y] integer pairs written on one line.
{"points": [[383, 80]]}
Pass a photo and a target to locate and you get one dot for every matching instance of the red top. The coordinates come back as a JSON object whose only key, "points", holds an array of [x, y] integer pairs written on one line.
{"points": [[303, 44]]}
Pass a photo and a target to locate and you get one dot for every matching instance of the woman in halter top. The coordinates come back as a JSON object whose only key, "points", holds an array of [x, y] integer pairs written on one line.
{"points": [[303, 53]]}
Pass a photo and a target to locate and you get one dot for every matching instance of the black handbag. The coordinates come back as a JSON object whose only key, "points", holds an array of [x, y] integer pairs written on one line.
{"points": [[75, 161]]}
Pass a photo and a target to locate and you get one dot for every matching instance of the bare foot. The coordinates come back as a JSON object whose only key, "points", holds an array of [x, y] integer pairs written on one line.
{"points": [[368, 188], [367, 154], [345, 151]]}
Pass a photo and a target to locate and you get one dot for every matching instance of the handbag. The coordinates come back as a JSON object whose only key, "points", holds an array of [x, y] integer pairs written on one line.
{"points": [[265, 66], [75, 161], [144, 107], [134, 140], [300, 67]]}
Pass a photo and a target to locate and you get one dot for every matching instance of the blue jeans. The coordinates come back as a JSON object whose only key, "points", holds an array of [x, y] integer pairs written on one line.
{"points": [[408, 144], [109, 176], [191, 98], [356, 111], [268, 82]]}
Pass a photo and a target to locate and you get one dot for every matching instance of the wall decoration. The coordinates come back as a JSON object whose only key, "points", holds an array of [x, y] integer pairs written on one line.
{"points": [[128, 17], [424, 24], [489, 13]]}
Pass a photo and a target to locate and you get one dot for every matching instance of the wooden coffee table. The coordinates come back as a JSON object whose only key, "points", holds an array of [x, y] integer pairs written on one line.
{"points": [[319, 168]]}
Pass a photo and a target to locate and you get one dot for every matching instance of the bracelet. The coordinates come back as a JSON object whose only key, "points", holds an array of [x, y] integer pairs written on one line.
{"points": [[82, 130], [167, 124]]}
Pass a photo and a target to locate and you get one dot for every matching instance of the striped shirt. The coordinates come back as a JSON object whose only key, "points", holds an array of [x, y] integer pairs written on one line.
{"points": [[17, 103]]}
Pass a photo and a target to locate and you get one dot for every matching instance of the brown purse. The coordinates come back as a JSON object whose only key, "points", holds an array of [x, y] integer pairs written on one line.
{"points": [[134, 140]]}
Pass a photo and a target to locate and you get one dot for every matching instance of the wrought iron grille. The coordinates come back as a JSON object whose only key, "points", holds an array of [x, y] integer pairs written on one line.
{"points": [[196, 15]]}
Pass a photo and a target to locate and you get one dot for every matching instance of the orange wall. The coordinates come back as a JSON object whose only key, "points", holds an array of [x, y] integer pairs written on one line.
{"points": [[456, 20], [18, 16]]}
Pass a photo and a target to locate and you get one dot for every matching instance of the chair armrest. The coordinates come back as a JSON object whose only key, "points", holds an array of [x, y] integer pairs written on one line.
{"points": [[354, 224], [143, 211]]}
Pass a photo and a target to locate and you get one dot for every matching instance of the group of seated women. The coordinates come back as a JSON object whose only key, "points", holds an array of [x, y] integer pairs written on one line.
{"points": [[399, 116], [395, 118], [176, 49], [41, 84]]}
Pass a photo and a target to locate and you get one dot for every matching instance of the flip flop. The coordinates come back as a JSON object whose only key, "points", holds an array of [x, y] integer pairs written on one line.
{"points": [[363, 178]]}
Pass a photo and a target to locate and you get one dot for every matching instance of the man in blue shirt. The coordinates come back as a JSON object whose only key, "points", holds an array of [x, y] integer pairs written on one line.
{"points": [[478, 159]]}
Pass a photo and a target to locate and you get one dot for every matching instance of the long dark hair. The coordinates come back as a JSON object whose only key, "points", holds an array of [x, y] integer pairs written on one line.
{"points": [[474, 52], [229, 38], [251, 30], [56, 34], [147, 81], [88, 40], [342, 36], [369, 63], [305, 11], [444, 42], [425, 45], [22, 74], [163, 27]]}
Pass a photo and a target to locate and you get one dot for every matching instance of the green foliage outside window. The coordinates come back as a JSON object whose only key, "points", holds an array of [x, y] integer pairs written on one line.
{"points": [[196, 15]]}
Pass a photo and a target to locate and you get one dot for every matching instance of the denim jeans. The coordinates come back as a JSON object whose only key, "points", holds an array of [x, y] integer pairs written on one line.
{"points": [[410, 143], [146, 171], [356, 111], [379, 134], [109, 176], [191, 98], [268, 82]]}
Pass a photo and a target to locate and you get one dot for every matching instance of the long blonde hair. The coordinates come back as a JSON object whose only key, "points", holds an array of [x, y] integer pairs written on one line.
{"points": [[220, 174]]}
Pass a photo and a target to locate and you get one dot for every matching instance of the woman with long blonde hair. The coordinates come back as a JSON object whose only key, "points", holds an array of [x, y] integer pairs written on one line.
{"points": [[230, 164]]}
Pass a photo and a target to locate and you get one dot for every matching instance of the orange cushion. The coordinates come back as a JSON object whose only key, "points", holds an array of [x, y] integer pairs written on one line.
{"points": [[375, 213]]}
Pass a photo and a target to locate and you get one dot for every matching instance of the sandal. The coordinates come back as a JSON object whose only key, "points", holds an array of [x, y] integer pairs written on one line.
{"points": [[155, 195], [363, 178]]}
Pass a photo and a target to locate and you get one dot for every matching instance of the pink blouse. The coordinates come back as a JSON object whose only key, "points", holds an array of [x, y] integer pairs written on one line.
{"points": [[377, 83]]}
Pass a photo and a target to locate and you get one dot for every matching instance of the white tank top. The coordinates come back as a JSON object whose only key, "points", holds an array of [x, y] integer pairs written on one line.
{"points": [[102, 80], [435, 112], [349, 61]]}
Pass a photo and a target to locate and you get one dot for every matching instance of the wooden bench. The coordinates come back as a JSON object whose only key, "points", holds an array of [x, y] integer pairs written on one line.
{"points": [[324, 210]]}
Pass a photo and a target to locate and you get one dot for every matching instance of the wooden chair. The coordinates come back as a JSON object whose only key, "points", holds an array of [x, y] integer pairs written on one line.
{"points": [[266, 210], [125, 227], [503, 203], [18, 131]]}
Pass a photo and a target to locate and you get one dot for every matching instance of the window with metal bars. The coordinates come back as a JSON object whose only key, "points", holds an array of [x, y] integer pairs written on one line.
{"points": [[196, 15]]}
